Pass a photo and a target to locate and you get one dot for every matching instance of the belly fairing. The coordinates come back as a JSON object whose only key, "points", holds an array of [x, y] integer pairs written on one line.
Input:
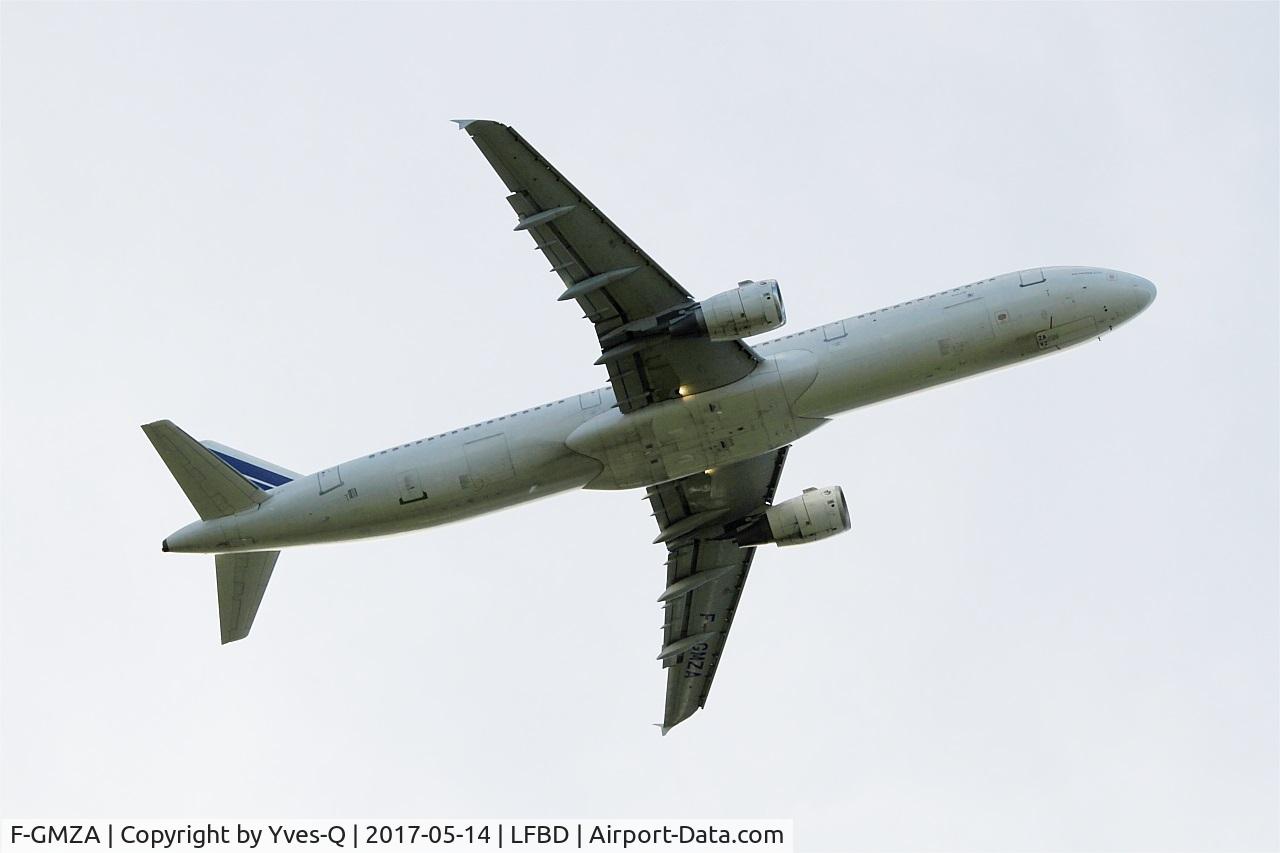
{"points": [[675, 438]]}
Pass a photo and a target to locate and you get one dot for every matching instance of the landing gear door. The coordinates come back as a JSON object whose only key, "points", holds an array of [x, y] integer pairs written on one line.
{"points": [[1057, 337]]}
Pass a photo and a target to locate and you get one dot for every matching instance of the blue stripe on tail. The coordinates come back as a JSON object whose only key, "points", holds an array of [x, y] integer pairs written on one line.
{"points": [[256, 474]]}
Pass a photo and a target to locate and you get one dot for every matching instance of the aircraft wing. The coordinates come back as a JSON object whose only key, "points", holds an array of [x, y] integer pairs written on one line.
{"points": [[619, 288], [705, 575]]}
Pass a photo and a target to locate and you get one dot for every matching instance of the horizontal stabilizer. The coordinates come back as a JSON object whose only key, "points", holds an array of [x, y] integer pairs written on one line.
{"points": [[242, 579], [213, 487]]}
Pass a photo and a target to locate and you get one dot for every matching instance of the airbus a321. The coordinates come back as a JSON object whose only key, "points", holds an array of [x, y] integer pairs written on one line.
{"points": [[693, 414]]}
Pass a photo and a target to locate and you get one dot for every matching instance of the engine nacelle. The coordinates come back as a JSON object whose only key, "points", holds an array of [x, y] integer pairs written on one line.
{"points": [[816, 514], [749, 309]]}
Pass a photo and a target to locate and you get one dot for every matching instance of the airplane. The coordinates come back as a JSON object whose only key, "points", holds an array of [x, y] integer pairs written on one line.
{"points": [[700, 419]]}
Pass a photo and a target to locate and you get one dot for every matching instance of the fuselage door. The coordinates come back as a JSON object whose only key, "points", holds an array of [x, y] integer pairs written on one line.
{"points": [[410, 488], [329, 479], [834, 331], [489, 460]]}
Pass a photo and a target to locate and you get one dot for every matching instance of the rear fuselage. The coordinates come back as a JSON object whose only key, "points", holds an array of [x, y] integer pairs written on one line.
{"points": [[584, 441]]}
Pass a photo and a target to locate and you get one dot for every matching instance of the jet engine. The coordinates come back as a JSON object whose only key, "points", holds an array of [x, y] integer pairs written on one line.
{"points": [[749, 309], [816, 514]]}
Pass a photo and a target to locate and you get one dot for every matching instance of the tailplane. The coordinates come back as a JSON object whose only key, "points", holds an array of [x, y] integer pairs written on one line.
{"points": [[220, 481], [214, 488], [242, 579]]}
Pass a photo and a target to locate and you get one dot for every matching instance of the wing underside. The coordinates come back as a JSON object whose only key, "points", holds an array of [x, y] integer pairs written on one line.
{"points": [[706, 572], [621, 290]]}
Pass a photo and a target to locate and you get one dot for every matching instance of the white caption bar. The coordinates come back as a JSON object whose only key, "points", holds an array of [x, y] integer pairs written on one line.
{"points": [[147, 836]]}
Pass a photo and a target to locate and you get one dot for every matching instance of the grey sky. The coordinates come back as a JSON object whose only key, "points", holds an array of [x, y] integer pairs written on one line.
{"points": [[1054, 624]]}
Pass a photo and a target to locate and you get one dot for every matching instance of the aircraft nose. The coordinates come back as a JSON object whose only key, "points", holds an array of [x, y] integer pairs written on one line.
{"points": [[1145, 292]]}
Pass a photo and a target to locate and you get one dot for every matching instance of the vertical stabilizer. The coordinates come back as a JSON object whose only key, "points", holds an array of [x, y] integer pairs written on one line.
{"points": [[263, 474]]}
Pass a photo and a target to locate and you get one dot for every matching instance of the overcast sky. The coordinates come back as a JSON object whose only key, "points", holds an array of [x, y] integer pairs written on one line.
{"points": [[1054, 623]]}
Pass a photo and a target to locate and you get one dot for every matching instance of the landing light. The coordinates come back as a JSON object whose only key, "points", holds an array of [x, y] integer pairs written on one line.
{"points": [[684, 391]]}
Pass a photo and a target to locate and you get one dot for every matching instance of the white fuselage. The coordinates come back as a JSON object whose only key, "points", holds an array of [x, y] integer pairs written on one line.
{"points": [[585, 441]]}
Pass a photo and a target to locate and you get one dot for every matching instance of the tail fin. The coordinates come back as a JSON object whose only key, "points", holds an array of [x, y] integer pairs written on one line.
{"points": [[260, 472], [213, 487], [242, 579]]}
